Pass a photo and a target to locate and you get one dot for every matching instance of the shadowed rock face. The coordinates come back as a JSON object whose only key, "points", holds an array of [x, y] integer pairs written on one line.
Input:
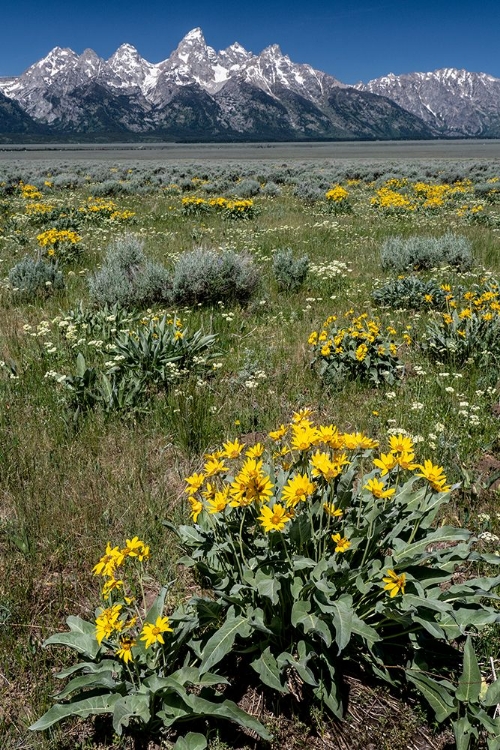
{"points": [[200, 94], [452, 102], [13, 119]]}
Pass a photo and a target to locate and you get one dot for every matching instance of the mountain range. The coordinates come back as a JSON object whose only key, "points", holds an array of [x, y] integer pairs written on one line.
{"points": [[198, 94]]}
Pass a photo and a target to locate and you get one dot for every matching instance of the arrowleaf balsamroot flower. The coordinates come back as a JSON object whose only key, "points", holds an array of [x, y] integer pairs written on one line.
{"points": [[400, 444], [275, 518], [323, 466], [108, 622], [385, 463], [154, 633], [125, 650], [233, 449], [376, 487], [342, 544], [108, 563], [297, 489], [331, 510], [435, 476], [394, 584]]}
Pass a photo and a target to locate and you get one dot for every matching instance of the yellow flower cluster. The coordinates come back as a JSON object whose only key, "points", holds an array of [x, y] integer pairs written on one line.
{"points": [[116, 624], [335, 340], [55, 237], [114, 558], [399, 196], [337, 194], [30, 192], [482, 303], [388, 199], [271, 489], [37, 209]]}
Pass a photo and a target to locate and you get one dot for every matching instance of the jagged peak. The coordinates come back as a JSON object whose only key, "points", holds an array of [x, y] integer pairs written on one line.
{"points": [[89, 54], [125, 49], [58, 53], [195, 35], [274, 50]]}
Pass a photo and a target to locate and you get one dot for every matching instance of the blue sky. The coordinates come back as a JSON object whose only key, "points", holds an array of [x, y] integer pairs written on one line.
{"points": [[352, 41]]}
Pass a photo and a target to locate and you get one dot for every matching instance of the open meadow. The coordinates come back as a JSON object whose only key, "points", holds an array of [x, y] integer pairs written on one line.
{"points": [[288, 375]]}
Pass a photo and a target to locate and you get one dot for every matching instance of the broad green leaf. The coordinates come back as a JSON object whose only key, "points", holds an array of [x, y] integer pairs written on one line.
{"points": [[173, 708], [81, 637], [286, 659], [438, 697], [492, 697], [257, 620], [310, 622], [99, 680], [410, 601], [342, 622], [466, 616], [329, 693], [480, 716], [431, 627], [90, 667], [403, 551], [300, 532], [369, 634], [98, 704], [268, 670], [222, 641], [192, 676], [227, 710], [80, 365], [128, 707], [189, 535], [192, 741], [469, 683], [463, 733], [268, 587]]}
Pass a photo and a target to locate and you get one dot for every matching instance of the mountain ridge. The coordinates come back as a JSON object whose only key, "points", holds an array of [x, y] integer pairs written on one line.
{"points": [[233, 94]]}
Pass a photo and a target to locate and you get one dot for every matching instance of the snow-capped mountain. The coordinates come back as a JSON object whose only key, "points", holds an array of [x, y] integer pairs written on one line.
{"points": [[198, 92], [450, 101]]}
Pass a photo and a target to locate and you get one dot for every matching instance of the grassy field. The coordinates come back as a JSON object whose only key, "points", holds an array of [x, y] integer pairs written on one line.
{"points": [[72, 482]]}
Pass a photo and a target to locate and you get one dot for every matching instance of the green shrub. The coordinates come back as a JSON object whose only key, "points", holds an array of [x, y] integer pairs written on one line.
{"points": [[128, 278], [32, 278], [359, 350], [317, 559], [207, 276], [145, 359], [289, 272], [400, 254], [410, 292], [458, 339]]}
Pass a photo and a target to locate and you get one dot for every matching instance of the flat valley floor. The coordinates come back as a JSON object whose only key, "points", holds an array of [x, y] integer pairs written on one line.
{"points": [[238, 152]]}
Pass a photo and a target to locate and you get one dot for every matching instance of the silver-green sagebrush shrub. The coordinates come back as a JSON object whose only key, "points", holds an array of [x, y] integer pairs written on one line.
{"points": [[400, 254], [128, 278], [289, 272], [321, 557], [32, 278], [208, 276]]}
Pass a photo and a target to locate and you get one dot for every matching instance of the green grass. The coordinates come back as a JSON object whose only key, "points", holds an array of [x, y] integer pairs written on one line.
{"points": [[68, 488]]}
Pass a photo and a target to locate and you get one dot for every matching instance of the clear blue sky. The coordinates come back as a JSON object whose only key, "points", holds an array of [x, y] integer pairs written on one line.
{"points": [[350, 40]]}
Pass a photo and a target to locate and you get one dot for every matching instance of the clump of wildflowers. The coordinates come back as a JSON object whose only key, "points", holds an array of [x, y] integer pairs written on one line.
{"points": [[358, 349]]}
